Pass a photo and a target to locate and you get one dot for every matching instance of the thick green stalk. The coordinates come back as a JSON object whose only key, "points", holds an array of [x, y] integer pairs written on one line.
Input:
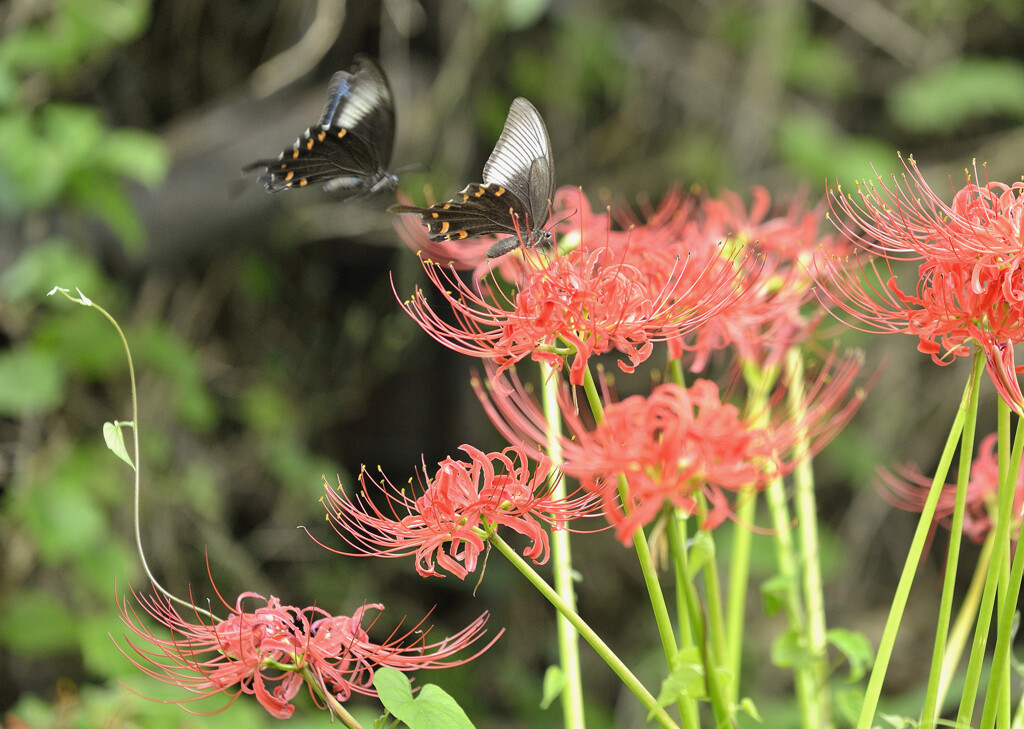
{"points": [[998, 686], [720, 704], [899, 601], [965, 618], [688, 619], [796, 618], [561, 564], [662, 616], [716, 617], [607, 654], [999, 559], [930, 712], [807, 531], [334, 706], [739, 581], [759, 383]]}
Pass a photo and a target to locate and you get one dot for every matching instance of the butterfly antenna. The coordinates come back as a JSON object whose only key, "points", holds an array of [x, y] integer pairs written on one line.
{"points": [[409, 168]]}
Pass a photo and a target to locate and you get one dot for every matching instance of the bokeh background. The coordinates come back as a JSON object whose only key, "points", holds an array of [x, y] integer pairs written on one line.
{"points": [[269, 343]]}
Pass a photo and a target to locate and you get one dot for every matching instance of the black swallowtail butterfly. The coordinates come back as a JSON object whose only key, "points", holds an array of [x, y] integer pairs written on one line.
{"points": [[349, 149], [519, 182]]}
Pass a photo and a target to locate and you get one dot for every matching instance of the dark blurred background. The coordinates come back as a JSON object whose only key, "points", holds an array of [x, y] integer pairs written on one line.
{"points": [[270, 346]]}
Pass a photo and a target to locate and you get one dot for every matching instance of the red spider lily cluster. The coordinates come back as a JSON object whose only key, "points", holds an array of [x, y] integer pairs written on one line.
{"points": [[700, 276], [447, 524], [678, 443], [968, 287], [686, 277], [908, 489], [579, 305], [269, 650], [690, 276]]}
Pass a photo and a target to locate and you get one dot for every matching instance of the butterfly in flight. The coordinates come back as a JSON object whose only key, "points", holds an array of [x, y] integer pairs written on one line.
{"points": [[349, 149], [519, 182]]}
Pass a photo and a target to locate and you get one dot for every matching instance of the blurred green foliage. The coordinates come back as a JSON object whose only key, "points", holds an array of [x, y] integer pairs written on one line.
{"points": [[636, 98]]}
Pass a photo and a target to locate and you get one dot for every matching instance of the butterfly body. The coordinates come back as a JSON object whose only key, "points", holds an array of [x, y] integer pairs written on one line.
{"points": [[349, 149], [513, 199]]}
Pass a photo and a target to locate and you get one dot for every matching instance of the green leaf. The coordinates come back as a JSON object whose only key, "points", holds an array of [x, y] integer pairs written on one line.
{"points": [[37, 623], [855, 647], [898, 722], [821, 66], [113, 436], [98, 651], [135, 154], [64, 517], [32, 171], [53, 261], [943, 99], [701, 550], [773, 593], [515, 14], [105, 197], [37, 49], [554, 684], [816, 148], [849, 702], [98, 24], [790, 651], [432, 708], [31, 382], [686, 681], [748, 707]]}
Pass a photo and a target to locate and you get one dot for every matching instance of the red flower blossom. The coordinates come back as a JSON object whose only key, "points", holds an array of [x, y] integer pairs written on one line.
{"points": [[270, 651], [578, 305], [908, 489], [764, 318], [447, 524], [968, 287], [678, 442]]}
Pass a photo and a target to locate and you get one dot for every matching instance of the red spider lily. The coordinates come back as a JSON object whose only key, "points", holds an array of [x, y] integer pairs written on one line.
{"points": [[272, 650], [678, 442], [448, 523], [969, 287], [764, 319], [908, 489], [583, 303]]}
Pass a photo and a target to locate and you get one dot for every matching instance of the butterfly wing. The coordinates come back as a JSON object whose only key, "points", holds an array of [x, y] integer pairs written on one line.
{"points": [[522, 162], [477, 210], [350, 147], [519, 181]]}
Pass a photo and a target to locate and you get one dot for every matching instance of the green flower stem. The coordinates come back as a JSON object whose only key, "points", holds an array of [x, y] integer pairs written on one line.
{"points": [[899, 601], [807, 530], [662, 617], [136, 457], [930, 712], [759, 381], [561, 563], [614, 662], [720, 704], [687, 708], [713, 639], [716, 617], [785, 557], [690, 617], [739, 580], [995, 566], [333, 705], [997, 697], [965, 619]]}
